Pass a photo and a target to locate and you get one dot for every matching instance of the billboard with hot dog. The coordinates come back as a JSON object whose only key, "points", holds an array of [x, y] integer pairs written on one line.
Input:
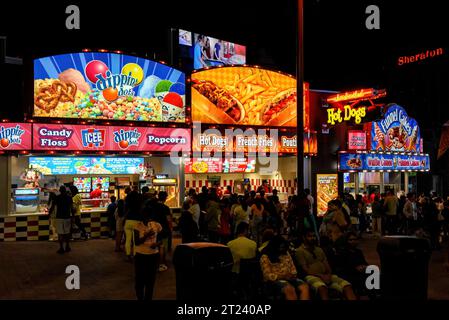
{"points": [[244, 96]]}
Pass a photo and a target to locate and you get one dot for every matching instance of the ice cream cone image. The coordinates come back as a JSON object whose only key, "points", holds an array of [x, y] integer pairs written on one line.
{"points": [[379, 137]]}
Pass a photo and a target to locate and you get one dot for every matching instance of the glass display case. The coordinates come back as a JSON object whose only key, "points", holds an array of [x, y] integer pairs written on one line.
{"points": [[26, 200], [171, 187], [97, 204]]}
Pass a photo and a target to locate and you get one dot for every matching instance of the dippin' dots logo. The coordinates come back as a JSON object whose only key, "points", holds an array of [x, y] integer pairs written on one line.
{"points": [[127, 138], [9, 136]]}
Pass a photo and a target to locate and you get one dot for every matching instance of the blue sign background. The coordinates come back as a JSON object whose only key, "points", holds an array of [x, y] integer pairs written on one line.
{"points": [[86, 165], [369, 161]]}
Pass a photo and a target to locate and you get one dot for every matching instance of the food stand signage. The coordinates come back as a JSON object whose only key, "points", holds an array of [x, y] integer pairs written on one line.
{"points": [[244, 143], [348, 113], [100, 85], [384, 162], [86, 165], [327, 190], [245, 96], [356, 140], [15, 136], [102, 138], [396, 132]]}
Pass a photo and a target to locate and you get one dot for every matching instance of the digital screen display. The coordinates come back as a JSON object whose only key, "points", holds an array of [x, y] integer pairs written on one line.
{"points": [[239, 165], [327, 190], [252, 96], [104, 183], [200, 51], [84, 184], [204, 165], [87, 165], [100, 85]]}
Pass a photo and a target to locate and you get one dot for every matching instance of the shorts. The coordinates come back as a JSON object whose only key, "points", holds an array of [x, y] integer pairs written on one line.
{"points": [[337, 283], [280, 284], [63, 226]]}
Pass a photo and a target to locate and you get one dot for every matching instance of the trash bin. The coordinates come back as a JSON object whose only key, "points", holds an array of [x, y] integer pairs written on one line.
{"points": [[404, 267], [203, 271]]}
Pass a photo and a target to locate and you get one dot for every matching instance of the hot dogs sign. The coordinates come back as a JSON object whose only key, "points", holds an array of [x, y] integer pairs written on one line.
{"points": [[396, 132], [100, 85]]}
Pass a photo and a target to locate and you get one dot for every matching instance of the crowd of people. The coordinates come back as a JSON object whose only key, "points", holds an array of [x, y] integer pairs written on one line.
{"points": [[298, 255]]}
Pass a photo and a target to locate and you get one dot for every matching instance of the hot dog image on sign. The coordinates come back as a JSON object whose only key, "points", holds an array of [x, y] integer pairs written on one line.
{"points": [[243, 96], [396, 132], [108, 86]]}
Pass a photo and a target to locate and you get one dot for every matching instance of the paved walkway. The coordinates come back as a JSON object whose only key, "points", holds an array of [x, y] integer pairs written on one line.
{"points": [[33, 270]]}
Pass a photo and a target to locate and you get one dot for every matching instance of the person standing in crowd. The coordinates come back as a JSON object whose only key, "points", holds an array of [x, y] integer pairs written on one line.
{"points": [[228, 191], [133, 207], [257, 212], [410, 212], [64, 218], [119, 216], [111, 216], [311, 216], [241, 213], [242, 247], [161, 213], [187, 226], [213, 216], [52, 215], [430, 222], [361, 213], [279, 270], [377, 212], [195, 209], [333, 215], [76, 198], [146, 255], [224, 230], [313, 261], [391, 208], [96, 194]]}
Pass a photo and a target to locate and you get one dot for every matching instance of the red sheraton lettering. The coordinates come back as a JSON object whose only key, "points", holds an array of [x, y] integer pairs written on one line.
{"points": [[420, 56]]}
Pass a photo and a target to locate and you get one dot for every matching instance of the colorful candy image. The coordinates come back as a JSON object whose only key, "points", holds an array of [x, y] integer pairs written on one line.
{"points": [[107, 86]]}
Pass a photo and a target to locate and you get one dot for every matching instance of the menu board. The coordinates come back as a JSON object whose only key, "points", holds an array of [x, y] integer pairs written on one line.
{"points": [[87, 165], [377, 162], [15, 136], [104, 181], [109, 138], [111, 86], [327, 190], [239, 165], [84, 184], [204, 165]]}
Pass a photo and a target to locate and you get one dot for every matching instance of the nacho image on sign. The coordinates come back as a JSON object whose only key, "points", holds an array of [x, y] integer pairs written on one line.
{"points": [[243, 96], [107, 86]]}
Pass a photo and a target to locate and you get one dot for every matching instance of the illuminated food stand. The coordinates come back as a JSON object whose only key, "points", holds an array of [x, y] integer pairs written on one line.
{"points": [[97, 118]]}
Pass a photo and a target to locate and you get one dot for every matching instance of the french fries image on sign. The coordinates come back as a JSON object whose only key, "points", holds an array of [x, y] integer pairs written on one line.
{"points": [[243, 95]]}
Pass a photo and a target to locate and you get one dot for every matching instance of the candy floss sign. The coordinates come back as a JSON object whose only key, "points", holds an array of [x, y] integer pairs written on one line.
{"points": [[102, 138], [15, 136], [100, 85], [396, 132]]}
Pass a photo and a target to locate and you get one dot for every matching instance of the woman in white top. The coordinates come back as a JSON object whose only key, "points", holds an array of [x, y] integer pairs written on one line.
{"points": [[195, 209]]}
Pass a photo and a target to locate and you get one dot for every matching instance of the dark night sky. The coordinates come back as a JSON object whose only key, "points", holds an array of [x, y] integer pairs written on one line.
{"points": [[340, 53]]}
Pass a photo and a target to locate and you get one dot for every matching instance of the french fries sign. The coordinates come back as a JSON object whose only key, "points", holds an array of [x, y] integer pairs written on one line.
{"points": [[243, 96]]}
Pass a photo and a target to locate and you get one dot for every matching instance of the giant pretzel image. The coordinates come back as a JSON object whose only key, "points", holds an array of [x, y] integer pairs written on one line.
{"points": [[49, 96]]}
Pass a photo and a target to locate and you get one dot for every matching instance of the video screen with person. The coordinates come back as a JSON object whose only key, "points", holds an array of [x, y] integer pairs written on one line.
{"points": [[197, 51]]}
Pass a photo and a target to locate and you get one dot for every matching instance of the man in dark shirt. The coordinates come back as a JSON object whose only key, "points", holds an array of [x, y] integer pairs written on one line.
{"points": [[161, 213], [64, 216]]}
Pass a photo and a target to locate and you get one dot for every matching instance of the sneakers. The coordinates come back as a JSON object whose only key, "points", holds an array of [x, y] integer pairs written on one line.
{"points": [[162, 268]]}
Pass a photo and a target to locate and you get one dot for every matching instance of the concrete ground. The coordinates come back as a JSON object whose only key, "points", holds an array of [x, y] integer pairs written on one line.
{"points": [[32, 270]]}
